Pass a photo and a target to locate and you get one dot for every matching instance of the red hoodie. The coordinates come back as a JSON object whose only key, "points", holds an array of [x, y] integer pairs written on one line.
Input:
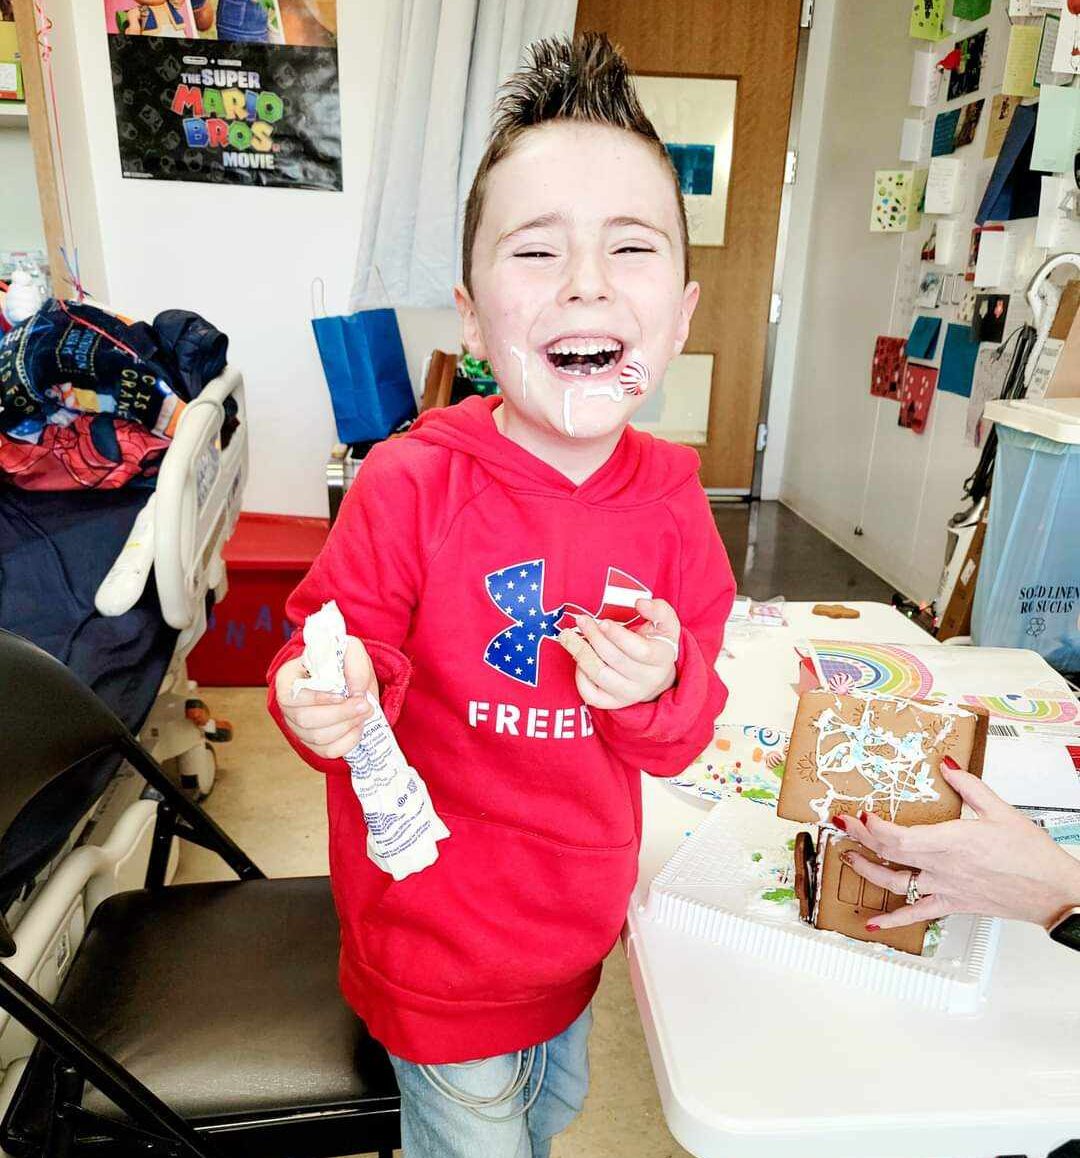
{"points": [[455, 544]]}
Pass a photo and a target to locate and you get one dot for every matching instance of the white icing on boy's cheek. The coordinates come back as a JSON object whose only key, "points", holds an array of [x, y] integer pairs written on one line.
{"points": [[515, 352]]}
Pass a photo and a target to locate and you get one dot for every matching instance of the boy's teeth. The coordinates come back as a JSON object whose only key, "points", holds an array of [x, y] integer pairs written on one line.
{"points": [[590, 346]]}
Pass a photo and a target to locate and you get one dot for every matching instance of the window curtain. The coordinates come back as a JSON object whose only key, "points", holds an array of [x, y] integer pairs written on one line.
{"points": [[442, 64]]}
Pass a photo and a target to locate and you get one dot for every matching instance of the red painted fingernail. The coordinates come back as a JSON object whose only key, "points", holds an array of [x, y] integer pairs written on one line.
{"points": [[863, 817], [840, 823], [873, 928], [949, 762]]}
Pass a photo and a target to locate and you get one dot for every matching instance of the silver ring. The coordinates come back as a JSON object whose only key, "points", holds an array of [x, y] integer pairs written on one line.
{"points": [[913, 895]]}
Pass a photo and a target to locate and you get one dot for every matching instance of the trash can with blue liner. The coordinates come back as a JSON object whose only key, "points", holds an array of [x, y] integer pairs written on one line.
{"points": [[1028, 590]]}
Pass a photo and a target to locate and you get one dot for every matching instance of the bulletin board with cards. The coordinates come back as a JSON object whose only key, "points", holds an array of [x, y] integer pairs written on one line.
{"points": [[983, 193]]}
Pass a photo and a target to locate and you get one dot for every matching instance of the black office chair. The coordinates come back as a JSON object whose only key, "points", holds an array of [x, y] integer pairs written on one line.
{"points": [[195, 1021]]}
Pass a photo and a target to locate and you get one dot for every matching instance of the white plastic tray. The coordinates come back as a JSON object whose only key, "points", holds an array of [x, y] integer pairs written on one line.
{"points": [[715, 886]]}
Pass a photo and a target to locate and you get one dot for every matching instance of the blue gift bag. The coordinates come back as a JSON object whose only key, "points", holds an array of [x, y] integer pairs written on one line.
{"points": [[364, 363]]}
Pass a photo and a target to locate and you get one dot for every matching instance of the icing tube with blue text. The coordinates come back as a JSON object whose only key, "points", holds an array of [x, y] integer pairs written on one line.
{"points": [[403, 827]]}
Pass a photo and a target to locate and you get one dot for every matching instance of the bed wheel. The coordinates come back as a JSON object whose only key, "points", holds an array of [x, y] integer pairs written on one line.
{"points": [[198, 768]]}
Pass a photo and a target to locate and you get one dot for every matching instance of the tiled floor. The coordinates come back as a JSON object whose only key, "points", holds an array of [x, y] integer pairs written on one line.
{"points": [[272, 804], [774, 552]]}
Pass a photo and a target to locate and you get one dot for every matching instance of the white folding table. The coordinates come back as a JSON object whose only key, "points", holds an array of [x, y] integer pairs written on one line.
{"points": [[756, 1061]]}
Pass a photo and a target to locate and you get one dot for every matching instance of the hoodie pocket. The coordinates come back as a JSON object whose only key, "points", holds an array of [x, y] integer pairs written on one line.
{"points": [[503, 915]]}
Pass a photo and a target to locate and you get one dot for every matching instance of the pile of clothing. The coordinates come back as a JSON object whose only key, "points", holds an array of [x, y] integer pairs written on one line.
{"points": [[91, 400]]}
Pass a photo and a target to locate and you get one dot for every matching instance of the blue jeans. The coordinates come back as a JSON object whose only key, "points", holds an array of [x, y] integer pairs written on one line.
{"points": [[432, 1126]]}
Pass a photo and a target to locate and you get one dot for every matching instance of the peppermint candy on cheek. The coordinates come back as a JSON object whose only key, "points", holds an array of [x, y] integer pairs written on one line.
{"points": [[634, 376]]}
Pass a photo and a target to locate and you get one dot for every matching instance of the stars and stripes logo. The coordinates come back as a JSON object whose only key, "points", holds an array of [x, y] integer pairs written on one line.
{"points": [[518, 592], [621, 593]]}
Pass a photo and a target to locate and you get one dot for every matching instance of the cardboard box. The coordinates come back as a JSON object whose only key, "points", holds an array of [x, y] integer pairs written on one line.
{"points": [[1065, 379], [11, 84]]}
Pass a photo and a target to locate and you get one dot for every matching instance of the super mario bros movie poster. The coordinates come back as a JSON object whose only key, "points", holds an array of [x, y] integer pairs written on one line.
{"points": [[239, 92]]}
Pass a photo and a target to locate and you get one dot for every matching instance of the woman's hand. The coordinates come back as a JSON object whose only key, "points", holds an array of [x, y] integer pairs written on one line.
{"points": [[1001, 864], [638, 667], [328, 724]]}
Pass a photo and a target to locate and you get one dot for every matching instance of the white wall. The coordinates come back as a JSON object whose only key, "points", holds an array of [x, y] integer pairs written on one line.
{"points": [[846, 461], [20, 217], [243, 257]]}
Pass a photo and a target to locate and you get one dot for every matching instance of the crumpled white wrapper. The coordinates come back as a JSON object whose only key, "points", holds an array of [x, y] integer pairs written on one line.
{"points": [[403, 827]]}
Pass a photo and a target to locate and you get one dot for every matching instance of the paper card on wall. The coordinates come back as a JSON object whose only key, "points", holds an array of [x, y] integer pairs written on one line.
{"points": [[988, 322], [958, 361], [1002, 108], [967, 76], [897, 197], [915, 140], [973, 249], [1067, 50], [1021, 60], [918, 198], [1045, 366], [927, 19], [925, 79], [1056, 228], [965, 308], [944, 141], [1013, 190], [907, 280], [887, 369], [1044, 66], [945, 245], [945, 187], [991, 369], [929, 246], [922, 341], [970, 9], [929, 292], [916, 394], [1057, 129], [969, 122], [994, 265]]}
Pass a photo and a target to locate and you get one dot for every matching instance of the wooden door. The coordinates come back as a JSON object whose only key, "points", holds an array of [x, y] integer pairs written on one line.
{"points": [[756, 45], [37, 110]]}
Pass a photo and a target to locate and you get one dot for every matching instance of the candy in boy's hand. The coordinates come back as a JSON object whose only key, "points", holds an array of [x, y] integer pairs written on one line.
{"points": [[580, 648]]}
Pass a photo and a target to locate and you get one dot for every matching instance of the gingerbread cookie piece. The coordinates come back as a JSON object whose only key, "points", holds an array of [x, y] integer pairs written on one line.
{"points": [[580, 648], [846, 902], [851, 753], [805, 873], [835, 611]]}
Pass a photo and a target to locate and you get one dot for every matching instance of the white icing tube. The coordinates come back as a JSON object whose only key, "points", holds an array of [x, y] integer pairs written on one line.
{"points": [[403, 827]]}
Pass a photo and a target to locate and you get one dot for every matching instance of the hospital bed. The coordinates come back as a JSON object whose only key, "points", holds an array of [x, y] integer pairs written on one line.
{"points": [[178, 535]]}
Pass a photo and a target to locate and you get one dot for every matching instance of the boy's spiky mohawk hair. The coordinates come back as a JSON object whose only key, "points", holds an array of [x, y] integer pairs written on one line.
{"points": [[581, 79]]}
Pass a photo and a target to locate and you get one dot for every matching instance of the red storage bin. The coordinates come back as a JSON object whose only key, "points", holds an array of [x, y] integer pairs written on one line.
{"points": [[266, 558]]}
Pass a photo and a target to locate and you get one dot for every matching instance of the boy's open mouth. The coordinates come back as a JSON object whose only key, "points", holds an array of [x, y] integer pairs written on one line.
{"points": [[585, 356]]}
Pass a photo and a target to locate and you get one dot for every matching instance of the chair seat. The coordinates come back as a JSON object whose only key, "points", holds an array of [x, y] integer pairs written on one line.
{"points": [[223, 999]]}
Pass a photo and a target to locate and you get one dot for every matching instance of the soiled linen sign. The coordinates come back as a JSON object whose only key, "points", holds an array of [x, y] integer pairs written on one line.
{"points": [[240, 92]]}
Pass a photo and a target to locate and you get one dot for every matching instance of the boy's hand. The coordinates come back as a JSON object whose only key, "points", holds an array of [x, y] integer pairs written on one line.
{"points": [[329, 725], [637, 666]]}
